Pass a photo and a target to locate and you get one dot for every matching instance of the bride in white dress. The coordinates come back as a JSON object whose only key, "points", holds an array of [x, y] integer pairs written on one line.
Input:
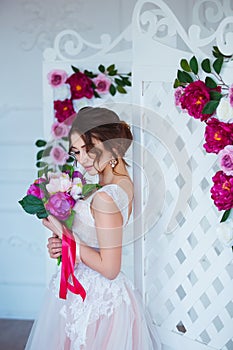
{"points": [[112, 316]]}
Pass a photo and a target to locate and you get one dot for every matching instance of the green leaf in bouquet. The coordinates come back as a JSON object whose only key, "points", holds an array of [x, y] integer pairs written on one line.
{"points": [[112, 90], [215, 95], [121, 90], [32, 204], [41, 164], [205, 64], [75, 69], [69, 221], [41, 143], [101, 68], [184, 77], [194, 65], [42, 215], [217, 65], [210, 107], [185, 65], [225, 215], [210, 83], [89, 188]]}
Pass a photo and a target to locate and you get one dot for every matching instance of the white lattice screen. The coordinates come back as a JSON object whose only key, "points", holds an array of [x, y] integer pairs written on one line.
{"points": [[187, 274]]}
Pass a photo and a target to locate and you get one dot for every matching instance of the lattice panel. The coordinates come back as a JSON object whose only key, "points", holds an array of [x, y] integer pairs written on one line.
{"points": [[188, 273]]}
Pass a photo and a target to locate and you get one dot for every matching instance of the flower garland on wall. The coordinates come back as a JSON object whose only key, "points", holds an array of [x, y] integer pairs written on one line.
{"points": [[70, 93], [211, 101]]}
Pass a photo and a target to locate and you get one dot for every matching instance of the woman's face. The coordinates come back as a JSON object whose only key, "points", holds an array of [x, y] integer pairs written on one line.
{"points": [[87, 160]]}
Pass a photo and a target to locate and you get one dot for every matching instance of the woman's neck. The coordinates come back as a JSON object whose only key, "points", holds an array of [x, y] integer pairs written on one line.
{"points": [[107, 176]]}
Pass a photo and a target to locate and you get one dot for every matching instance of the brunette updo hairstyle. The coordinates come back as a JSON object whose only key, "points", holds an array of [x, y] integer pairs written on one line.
{"points": [[104, 125]]}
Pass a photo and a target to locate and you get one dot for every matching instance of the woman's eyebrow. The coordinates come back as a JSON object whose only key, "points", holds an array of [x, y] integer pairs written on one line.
{"points": [[73, 147]]}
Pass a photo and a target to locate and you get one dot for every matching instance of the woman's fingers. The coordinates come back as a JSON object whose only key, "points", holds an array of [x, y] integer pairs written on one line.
{"points": [[54, 246]]}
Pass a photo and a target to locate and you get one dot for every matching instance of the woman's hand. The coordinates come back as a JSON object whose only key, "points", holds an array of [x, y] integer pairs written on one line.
{"points": [[54, 246], [54, 225]]}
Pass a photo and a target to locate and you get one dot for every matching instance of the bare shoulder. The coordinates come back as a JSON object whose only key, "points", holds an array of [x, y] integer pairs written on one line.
{"points": [[127, 185], [103, 202]]}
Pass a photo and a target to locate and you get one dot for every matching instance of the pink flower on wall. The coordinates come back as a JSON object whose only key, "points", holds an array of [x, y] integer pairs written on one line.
{"points": [[60, 130], [63, 110], [102, 83], [59, 155], [217, 135], [194, 98], [57, 77], [222, 191], [80, 85], [226, 160], [231, 95], [178, 93]]}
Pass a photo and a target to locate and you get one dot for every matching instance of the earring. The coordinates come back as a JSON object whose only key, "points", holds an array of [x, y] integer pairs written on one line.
{"points": [[113, 163]]}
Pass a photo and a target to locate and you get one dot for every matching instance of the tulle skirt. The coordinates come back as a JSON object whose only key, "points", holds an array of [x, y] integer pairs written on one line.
{"points": [[110, 318]]}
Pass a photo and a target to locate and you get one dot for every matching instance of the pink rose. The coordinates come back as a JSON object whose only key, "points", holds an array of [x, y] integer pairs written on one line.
{"points": [[222, 191], [217, 135], [102, 83], [57, 77], [60, 205], [36, 191], [178, 93], [63, 110], [231, 95], [60, 130], [59, 155], [80, 85], [194, 98], [226, 160]]}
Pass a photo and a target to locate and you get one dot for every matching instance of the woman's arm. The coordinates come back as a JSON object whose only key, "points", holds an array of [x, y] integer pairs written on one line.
{"points": [[108, 222]]}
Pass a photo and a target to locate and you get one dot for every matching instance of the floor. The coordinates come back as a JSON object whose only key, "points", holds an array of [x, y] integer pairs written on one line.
{"points": [[14, 333]]}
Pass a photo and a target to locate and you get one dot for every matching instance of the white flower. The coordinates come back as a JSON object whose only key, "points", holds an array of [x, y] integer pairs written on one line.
{"points": [[58, 183], [224, 110], [225, 232], [76, 189], [62, 92]]}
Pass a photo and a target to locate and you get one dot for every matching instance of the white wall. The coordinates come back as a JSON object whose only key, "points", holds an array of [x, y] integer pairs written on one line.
{"points": [[27, 27]]}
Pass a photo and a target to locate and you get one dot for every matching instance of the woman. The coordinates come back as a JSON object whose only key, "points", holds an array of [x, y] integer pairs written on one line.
{"points": [[110, 317]]}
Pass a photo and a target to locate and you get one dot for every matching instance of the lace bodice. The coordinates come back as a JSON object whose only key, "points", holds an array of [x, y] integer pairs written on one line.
{"points": [[84, 225]]}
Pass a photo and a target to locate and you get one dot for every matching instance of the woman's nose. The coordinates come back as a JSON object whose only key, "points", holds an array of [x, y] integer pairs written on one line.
{"points": [[83, 157]]}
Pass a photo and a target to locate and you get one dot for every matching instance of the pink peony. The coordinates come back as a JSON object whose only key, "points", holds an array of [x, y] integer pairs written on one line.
{"points": [[63, 110], [60, 130], [231, 95], [80, 85], [222, 191], [36, 191], [194, 98], [102, 83], [226, 160], [60, 205], [217, 135], [57, 77], [178, 93], [59, 155]]}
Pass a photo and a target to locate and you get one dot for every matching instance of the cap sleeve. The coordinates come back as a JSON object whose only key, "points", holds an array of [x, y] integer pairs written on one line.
{"points": [[120, 197]]}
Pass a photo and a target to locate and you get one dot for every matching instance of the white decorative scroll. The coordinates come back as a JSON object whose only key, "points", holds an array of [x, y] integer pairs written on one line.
{"points": [[155, 19], [69, 45]]}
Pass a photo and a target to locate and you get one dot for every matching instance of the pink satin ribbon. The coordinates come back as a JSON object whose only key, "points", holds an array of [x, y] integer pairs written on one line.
{"points": [[67, 267]]}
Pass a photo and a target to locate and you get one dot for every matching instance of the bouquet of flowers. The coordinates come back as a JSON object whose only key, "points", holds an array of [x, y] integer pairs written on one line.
{"points": [[211, 101], [57, 194]]}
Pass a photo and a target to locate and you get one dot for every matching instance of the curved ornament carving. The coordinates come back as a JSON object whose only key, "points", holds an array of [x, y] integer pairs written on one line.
{"points": [[68, 44], [156, 20]]}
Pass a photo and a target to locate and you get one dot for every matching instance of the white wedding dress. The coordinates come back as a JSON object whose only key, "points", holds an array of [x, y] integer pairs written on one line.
{"points": [[112, 315]]}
